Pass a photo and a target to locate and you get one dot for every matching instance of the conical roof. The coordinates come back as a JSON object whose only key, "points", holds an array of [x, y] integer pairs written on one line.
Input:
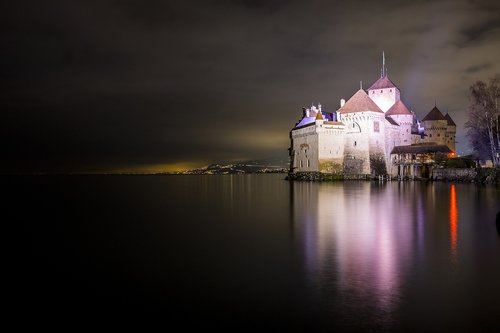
{"points": [[398, 108], [450, 121], [383, 82], [360, 102], [434, 114], [319, 116]]}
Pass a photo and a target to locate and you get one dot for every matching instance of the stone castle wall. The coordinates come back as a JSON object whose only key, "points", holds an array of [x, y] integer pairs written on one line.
{"points": [[331, 149], [454, 174], [435, 131], [356, 143], [305, 149]]}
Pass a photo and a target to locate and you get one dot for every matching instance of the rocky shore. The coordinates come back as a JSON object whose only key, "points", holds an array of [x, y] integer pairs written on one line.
{"points": [[470, 175]]}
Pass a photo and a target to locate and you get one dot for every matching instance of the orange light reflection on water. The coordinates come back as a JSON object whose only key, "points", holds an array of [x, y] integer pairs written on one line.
{"points": [[453, 222]]}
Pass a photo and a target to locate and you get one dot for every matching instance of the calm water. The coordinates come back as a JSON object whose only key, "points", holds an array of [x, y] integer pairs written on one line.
{"points": [[254, 252]]}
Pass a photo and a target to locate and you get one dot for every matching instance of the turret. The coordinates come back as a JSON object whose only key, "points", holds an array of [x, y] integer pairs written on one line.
{"points": [[384, 92]]}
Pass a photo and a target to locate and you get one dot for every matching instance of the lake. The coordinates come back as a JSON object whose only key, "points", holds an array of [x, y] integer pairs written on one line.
{"points": [[253, 252]]}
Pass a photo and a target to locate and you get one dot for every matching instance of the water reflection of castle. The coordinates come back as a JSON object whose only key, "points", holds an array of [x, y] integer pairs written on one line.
{"points": [[374, 132], [366, 254]]}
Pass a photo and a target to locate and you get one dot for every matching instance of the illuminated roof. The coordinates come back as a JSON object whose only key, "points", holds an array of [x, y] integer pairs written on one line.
{"points": [[360, 102], [450, 121], [383, 82], [334, 123], [326, 116], [434, 114], [420, 149], [398, 108], [305, 121]]}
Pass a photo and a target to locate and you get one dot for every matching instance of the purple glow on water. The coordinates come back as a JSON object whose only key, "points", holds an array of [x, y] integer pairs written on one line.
{"points": [[363, 252], [260, 252]]}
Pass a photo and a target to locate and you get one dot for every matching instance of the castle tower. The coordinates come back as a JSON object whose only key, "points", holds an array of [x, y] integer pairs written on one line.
{"points": [[435, 127], [384, 92], [400, 113], [451, 131], [364, 138]]}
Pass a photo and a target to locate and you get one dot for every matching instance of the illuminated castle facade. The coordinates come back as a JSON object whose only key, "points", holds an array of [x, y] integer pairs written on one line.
{"points": [[368, 134]]}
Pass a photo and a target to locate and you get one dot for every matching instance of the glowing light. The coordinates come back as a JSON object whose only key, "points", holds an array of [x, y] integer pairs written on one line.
{"points": [[451, 155], [158, 168], [453, 222], [384, 102]]}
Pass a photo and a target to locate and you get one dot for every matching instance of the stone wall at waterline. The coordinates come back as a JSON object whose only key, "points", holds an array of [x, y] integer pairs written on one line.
{"points": [[454, 174], [479, 175]]}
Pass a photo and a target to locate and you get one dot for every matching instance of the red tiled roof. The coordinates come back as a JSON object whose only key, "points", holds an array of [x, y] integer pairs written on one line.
{"points": [[434, 114], [359, 102], [398, 108], [334, 123], [383, 82], [450, 121]]}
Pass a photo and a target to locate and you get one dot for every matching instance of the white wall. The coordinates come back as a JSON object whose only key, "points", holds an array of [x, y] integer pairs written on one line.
{"points": [[305, 147], [384, 98]]}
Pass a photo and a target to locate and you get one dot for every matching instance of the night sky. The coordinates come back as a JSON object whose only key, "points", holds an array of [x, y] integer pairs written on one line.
{"points": [[112, 86]]}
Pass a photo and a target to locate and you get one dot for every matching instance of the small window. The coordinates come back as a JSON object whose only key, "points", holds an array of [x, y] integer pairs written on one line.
{"points": [[355, 143], [353, 125], [381, 91], [301, 164], [376, 127], [430, 135], [439, 135], [308, 163], [390, 90]]}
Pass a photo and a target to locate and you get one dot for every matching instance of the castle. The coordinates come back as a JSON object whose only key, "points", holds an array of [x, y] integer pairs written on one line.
{"points": [[372, 133]]}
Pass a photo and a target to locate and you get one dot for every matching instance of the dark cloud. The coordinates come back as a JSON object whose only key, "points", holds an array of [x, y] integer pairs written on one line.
{"points": [[477, 68], [94, 85], [481, 29]]}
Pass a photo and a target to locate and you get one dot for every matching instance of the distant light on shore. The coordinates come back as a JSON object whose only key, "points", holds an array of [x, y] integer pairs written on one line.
{"points": [[159, 168]]}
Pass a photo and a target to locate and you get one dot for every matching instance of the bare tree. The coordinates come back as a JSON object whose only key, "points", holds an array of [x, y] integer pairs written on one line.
{"points": [[483, 128]]}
